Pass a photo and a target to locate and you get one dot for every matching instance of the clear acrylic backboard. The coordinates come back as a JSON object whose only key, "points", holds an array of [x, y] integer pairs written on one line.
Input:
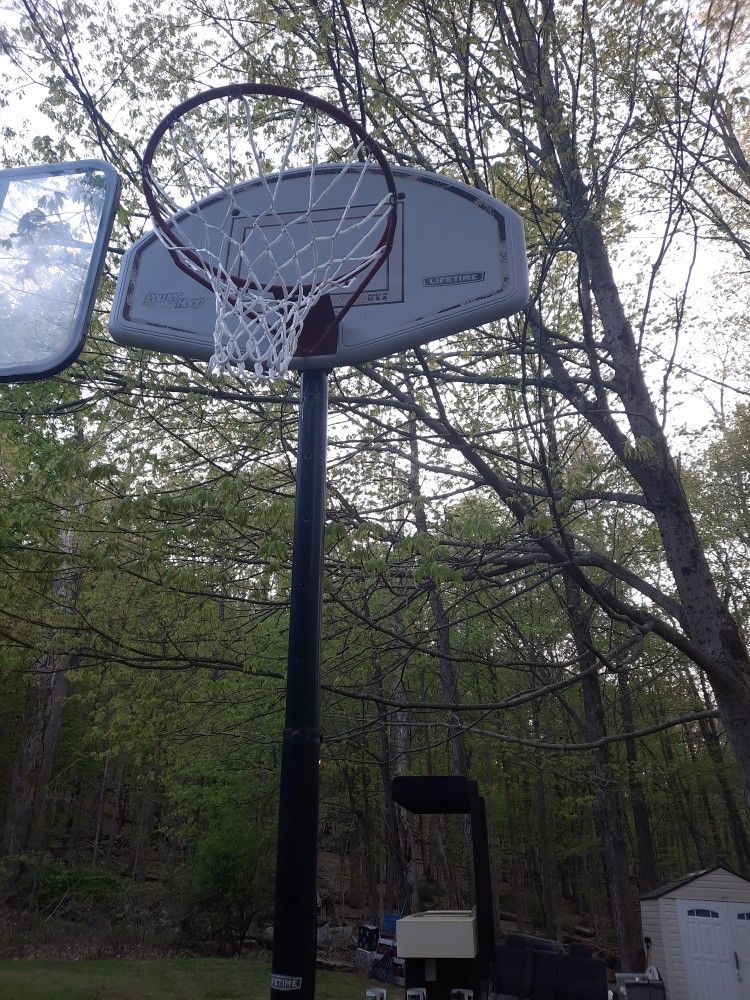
{"points": [[55, 222]]}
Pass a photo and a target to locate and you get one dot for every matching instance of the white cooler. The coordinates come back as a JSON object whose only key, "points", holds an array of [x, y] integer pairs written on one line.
{"points": [[437, 934]]}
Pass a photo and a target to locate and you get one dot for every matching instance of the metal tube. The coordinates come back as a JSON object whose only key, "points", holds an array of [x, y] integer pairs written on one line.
{"points": [[294, 928]]}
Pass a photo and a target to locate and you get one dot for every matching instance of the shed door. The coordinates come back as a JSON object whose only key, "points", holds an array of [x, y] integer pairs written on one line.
{"points": [[740, 918], [716, 952]]}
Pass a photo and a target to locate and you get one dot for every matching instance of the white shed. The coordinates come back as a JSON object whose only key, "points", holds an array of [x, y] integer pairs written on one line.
{"points": [[697, 933]]}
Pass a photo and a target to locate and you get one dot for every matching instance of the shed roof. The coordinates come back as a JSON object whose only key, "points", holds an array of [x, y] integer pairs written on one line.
{"points": [[664, 890]]}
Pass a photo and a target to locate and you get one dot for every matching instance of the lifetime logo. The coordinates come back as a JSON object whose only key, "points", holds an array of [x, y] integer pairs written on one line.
{"points": [[173, 300], [460, 278], [285, 982]]}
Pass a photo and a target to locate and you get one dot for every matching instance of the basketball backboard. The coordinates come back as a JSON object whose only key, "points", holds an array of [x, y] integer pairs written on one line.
{"points": [[55, 222], [458, 260]]}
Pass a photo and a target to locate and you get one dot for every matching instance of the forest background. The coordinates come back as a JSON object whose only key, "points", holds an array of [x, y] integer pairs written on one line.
{"points": [[537, 533]]}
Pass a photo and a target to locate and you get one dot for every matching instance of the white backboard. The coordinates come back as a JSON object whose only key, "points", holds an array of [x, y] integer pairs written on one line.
{"points": [[458, 261]]}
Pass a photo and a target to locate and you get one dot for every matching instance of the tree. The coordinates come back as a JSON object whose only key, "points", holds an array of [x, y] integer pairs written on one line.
{"points": [[553, 430], [229, 883]]}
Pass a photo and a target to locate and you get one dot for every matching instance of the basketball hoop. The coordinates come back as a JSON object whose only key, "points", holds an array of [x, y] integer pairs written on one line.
{"points": [[282, 281], [286, 210]]}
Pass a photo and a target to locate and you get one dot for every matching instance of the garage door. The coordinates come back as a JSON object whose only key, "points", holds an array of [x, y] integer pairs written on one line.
{"points": [[740, 919], [716, 947]]}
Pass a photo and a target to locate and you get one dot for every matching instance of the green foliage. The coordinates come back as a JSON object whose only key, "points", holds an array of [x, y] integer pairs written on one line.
{"points": [[57, 888], [229, 882], [79, 890]]}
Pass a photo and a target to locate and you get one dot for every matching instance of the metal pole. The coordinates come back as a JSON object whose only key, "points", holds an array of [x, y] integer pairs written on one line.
{"points": [[294, 927]]}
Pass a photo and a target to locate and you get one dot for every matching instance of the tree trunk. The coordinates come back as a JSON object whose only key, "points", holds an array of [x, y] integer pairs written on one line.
{"points": [[608, 810], [448, 679], [648, 869], [143, 834], [40, 728], [399, 842], [550, 878], [33, 766], [100, 808], [736, 824], [402, 763], [118, 813], [359, 805], [704, 616], [607, 806], [450, 878], [716, 643], [684, 805], [547, 857]]}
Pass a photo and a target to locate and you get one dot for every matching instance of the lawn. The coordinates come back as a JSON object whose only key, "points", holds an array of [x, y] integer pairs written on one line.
{"points": [[162, 979]]}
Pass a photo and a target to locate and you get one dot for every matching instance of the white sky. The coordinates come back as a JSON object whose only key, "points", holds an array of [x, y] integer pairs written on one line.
{"points": [[713, 310]]}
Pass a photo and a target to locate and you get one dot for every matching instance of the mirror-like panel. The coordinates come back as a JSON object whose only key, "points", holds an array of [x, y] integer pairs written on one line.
{"points": [[54, 225]]}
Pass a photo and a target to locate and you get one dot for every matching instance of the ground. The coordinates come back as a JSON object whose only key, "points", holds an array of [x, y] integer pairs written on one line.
{"points": [[162, 979]]}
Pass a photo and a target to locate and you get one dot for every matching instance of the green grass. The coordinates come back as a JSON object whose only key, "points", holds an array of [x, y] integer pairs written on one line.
{"points": [[162, 979]]}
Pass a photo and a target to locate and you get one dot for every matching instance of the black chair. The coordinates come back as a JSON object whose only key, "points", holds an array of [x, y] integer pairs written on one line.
{"points": [[582, 978], [527, 967], [512, 972], [538, 969], [547, 973]]}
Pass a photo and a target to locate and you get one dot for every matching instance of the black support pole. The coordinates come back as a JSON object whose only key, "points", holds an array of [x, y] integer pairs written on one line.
{"points": [[294, 928]]}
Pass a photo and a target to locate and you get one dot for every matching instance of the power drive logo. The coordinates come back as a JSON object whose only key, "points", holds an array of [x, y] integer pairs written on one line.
{"points": [[285, 982], [173, 300], [459, 278]]}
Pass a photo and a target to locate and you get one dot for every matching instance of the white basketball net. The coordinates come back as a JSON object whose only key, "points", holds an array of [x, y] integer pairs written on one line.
{"points": [[267, 272]]}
